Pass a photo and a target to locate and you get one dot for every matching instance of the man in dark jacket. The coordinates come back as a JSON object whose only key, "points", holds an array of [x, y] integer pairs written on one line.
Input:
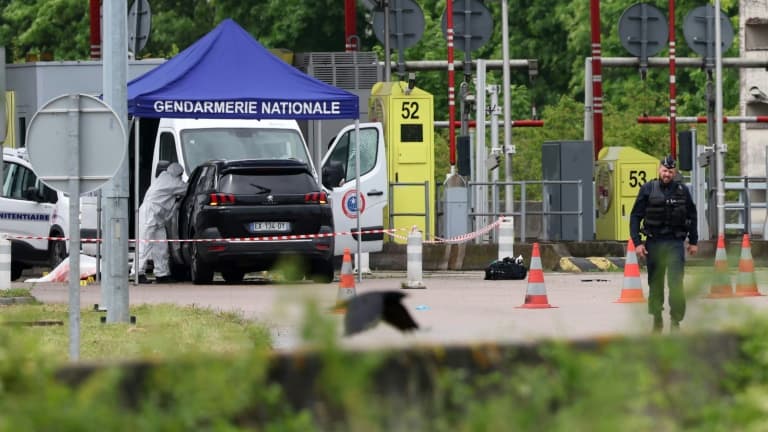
{"points": [[665, 213]]}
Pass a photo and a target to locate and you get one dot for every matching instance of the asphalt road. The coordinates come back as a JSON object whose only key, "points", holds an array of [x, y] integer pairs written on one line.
{"points": [[455, 307]]}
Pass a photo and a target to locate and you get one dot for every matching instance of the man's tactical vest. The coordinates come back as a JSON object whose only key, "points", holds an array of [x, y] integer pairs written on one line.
{"points": [[666, 215]]}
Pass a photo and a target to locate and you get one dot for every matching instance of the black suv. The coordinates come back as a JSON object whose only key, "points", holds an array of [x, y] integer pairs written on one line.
{"points": [[278, 201]]}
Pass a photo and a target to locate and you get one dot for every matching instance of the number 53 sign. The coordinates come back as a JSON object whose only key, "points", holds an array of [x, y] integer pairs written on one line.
{"points": [[633, 176], [637, 178]]}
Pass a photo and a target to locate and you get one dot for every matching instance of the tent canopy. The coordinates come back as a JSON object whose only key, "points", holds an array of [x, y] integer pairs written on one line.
{"points": [[228, 74]]}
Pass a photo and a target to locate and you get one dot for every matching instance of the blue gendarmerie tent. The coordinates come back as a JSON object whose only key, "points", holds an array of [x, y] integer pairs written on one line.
{"points": [[228, 74]]}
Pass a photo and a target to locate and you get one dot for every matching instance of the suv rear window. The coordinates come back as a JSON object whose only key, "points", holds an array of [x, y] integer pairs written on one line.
{"points": [[274, 183]]}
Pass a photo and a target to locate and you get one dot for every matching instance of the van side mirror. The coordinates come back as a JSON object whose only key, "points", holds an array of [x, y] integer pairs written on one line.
{"points": [[33, 194], [162, 165], [50, 195]]}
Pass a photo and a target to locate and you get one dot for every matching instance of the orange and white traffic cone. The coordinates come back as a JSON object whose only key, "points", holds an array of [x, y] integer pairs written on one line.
{"points": [[632, 287], [346, 283], [746, 284], [721, 280], [536, 293]]}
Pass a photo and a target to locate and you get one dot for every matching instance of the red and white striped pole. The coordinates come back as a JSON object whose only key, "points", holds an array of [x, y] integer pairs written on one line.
{"points": [[701, 119], [597, 77], [451, 85], [350, 26], [672, 83], [473, 123], [95, 12]]}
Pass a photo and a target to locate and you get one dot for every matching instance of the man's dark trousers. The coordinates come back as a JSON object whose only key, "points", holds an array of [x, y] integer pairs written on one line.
{"points": [[666, 256]]}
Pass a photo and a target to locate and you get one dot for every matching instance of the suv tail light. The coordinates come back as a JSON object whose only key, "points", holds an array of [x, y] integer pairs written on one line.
{"points": [[316, 198], [222, 199]]}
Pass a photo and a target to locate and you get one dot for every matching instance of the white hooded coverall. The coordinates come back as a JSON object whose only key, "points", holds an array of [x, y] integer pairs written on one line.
{"points": [[154, 212]]}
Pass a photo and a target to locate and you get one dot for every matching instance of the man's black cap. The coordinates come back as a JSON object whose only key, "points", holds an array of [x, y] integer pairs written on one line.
{"points": [[668, 162]]}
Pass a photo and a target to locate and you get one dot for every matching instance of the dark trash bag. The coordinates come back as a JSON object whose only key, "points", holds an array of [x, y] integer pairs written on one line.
{"points": [[506, 269]]}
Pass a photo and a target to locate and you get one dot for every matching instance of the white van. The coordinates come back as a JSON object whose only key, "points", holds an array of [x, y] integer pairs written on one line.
{"points": [[191, 142], [28, 208]]}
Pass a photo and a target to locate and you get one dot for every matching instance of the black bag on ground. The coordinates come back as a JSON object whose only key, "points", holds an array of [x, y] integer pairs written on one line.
{"points": [[506, 269]]}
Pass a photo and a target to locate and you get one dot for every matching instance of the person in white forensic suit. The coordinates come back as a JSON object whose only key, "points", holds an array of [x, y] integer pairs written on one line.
{"points": [[154, 212]]}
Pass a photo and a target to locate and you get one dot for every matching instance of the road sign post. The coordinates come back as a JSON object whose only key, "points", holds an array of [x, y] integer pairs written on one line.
{"points": [[75, 144]]}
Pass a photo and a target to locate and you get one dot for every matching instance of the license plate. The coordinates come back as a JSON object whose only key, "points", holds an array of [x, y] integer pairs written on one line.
{"points": [[260, 227]]}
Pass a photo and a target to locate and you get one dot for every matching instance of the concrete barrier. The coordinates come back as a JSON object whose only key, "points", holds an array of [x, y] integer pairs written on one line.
{"points": [[410, 375]]}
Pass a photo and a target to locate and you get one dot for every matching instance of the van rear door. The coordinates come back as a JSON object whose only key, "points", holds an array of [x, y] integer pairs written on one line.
{"points": [[339, 176]]}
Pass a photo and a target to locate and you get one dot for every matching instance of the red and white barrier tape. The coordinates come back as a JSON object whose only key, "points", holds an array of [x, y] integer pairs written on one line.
{"points": [[458, 239], [437, 240], [212, 240]]}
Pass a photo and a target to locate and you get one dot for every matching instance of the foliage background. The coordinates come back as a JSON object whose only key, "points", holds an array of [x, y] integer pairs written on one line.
{"points": [[555, 32]]}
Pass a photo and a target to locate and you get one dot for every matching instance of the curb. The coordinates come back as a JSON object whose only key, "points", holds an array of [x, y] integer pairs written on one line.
{"points": [[7, 301]]}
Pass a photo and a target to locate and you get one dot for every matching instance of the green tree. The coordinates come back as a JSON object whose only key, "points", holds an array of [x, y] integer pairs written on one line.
{"points": [[554, 32], [59, 27]]}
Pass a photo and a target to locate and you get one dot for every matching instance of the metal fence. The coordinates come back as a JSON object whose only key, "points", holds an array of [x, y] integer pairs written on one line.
{"points": [[738, 213], [524, 212], [745, 204]]}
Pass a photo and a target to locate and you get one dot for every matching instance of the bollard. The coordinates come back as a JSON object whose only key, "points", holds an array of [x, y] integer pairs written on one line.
{"points": [[413, 251], [5, 263], [362, 263], [506, 238]]}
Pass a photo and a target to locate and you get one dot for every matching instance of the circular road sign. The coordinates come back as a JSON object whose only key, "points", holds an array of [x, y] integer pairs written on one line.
{"points": [[472, 24], [406, 23], [643, 30], [76, 135], [699, 31]]}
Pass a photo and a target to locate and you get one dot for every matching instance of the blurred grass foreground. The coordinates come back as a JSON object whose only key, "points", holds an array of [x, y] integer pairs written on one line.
{"points": [[187, 368]]}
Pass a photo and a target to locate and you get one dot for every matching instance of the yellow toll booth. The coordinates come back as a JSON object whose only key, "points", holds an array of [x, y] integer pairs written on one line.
{"points": [[619, 173], [407, 116]]}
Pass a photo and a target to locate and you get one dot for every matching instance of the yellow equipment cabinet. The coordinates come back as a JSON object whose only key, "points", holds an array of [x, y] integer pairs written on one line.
{"points": [[407, 116], [619, 173]]}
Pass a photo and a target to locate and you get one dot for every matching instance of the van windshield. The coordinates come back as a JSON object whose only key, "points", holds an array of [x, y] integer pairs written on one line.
{"points": [[201, 145]]}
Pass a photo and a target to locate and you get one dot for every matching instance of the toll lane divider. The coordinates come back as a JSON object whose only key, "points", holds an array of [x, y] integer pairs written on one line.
{"points": [[590, 264]]}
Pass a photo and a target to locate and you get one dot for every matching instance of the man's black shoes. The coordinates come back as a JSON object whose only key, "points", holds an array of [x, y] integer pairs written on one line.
{"points": [[164, 279], [658, 324], [159, 279]]}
